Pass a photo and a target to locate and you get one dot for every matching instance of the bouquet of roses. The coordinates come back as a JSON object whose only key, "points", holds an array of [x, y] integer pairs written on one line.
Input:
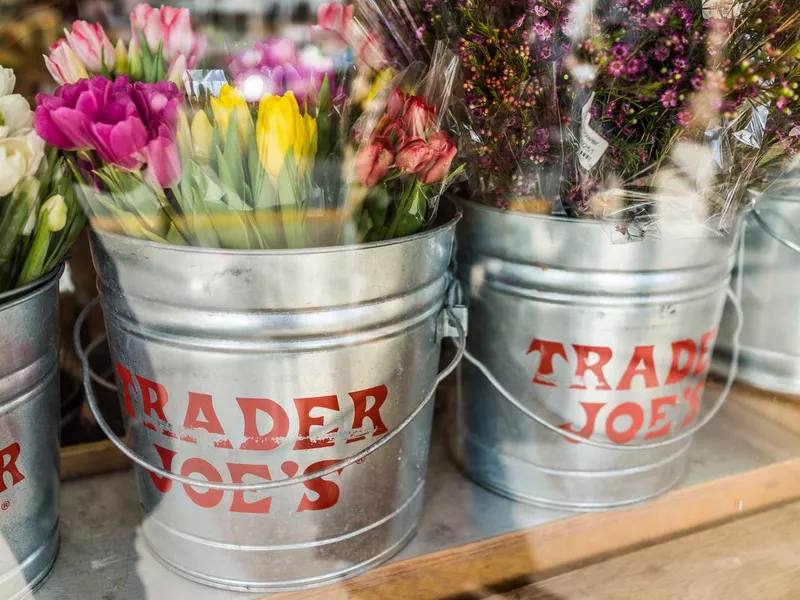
{"points": [[39, 214], [268, 160]]}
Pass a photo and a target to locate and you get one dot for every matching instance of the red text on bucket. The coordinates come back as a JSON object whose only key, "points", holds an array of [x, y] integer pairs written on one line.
{"points": [[10, 475], [608, 384], [260, 425]]}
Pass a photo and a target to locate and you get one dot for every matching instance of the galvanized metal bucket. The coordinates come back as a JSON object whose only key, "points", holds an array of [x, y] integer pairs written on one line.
{"points": [[29, 436], [278, 403], [769, 273], [604, 347]]}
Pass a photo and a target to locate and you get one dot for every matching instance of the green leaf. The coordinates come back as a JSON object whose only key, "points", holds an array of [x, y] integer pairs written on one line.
{"points": [[291, 212], [324, 140], [256, 171], [103, 68], [233, 156], [158, 68], [147, 56]]}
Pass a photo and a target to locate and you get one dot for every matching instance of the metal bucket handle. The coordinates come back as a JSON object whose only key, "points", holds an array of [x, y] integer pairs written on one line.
{"points": [[452, 322], [735, 299], [774, 234]]}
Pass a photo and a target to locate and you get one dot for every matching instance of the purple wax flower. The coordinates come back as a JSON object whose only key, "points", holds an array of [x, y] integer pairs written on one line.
{"points": [[669, 99], [616, 68]]}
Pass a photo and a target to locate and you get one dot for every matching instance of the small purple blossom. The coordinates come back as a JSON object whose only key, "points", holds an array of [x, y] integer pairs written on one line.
{"points": [[669, 99], [621, 50], [616, 68]]}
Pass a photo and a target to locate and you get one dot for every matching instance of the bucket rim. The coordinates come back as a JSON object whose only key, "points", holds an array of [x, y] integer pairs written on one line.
{"points": [[479, 206], [19, 295], [450, 224]]}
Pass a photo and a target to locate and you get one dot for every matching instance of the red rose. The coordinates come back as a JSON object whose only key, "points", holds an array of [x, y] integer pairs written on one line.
{"points": [[373, 161]]}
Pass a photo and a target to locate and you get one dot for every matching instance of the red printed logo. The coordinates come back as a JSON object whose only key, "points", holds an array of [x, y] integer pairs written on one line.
{"points": [[10, 475], [591, 369], [263, 425]]}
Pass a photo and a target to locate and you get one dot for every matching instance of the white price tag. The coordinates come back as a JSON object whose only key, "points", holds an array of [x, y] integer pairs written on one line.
{"points": [[593, 145]]}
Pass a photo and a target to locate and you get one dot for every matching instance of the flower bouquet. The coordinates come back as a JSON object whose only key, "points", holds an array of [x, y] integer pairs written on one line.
{"points": [[283, 156], [649, 113], [39, 213]]}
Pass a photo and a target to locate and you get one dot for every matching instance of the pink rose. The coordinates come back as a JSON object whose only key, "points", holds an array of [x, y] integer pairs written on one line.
{"points": [[91, 45], [336, 17], [418, 116], [414, 155], [172, 27], [63, 64], [444, 151], [373, 162]]}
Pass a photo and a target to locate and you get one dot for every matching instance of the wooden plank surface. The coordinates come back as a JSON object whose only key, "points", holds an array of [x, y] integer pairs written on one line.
{"points": [[508, 562], [91, 459], [752, 558]]}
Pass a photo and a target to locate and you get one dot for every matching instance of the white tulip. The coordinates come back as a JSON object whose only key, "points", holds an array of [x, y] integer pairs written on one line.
{"points": [[56, 210], [15, 115], [36, 147], [7, 81], [13, 164]]}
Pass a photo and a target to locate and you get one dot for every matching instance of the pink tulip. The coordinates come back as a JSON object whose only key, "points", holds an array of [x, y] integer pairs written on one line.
{"points": [[396, 105], [370, 52], [418, 116], [92, 46], [444, 151], [336, 17], [414, 156], [373, 162], [171, 27], [395, 132], [163, 161], [63, 64]]}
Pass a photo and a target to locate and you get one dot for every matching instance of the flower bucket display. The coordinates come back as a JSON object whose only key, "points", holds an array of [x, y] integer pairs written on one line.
{"points": [[610, 148], [769, 357], [606, 346], [39, 219], [29, 436], [273, 265]]}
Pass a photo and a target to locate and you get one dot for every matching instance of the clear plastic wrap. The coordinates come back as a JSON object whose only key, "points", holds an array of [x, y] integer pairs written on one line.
{"points": [[658, 116]]}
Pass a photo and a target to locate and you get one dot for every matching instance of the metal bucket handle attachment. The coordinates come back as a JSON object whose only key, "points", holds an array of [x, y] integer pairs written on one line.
{"points": [[774, 234], [452, 322], [734, 297]]}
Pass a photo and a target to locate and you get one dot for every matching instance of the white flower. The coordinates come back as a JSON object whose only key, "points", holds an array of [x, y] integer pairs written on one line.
{"points": [[13, 164], [15, 115], [20, 157], [7, 81], [56, 210]]}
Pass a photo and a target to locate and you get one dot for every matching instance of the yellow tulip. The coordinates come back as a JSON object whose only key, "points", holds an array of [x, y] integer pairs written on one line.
{"points": [[281, 127], [202, 136], [231, 100], [381, 81]]}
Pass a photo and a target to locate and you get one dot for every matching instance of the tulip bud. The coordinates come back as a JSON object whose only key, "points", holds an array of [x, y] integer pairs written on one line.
{"points": [[444, 150], [202, 136], [396, 105], [418, 116], [176, 70], [56, 211], [373, 162], [135, 65], [414, 155], [64, 65], [395, 132], [120, 58]]}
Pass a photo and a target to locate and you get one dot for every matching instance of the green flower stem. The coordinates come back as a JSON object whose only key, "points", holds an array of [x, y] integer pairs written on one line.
{"points": [[34, 264]]}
